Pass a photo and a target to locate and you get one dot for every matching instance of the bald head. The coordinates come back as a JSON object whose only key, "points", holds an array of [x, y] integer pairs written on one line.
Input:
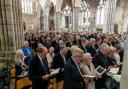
{"points": [[42, 51]]}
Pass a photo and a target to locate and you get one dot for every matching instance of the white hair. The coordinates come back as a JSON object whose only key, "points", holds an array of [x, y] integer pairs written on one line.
{"points": [[76, 51], [18, 60], [104, 45], [51, 49], [92, 39]]}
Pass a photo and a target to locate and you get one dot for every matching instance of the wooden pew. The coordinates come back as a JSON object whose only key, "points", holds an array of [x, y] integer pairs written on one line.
{"points": [[23, 82]]}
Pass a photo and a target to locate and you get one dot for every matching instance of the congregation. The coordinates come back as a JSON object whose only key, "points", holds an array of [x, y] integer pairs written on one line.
{"points": [[77, 56]]}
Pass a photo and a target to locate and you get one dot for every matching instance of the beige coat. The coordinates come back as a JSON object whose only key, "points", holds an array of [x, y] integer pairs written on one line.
{"points": [[90, 83]]}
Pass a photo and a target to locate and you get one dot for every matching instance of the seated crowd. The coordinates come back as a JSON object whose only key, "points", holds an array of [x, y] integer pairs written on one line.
{"points": [[75, 54]]}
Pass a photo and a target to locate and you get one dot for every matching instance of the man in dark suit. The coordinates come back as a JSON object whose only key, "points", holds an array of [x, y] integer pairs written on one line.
{"points": [[55, 45], [72, 75], [91, 48], [60, 61], [38, 69], [98, 43], [100, 59], [84, 44]]}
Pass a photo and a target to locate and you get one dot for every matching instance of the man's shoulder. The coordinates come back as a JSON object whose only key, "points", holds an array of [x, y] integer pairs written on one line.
{"points": [[70, 63], [98, 55], [34, 58]]}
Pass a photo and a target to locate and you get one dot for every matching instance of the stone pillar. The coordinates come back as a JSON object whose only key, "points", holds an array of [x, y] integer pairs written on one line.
{"points": [[122, 12], [46, 23], [10, 26], [58, 21], [76, 11], [109, 16], [92, 27], [41, 20], [124, 75]]}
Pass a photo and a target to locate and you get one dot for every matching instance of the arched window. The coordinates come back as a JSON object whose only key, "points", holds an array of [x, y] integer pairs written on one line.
{"points": [[68, 16], [100, 13], [84, 15], [27, 6]]}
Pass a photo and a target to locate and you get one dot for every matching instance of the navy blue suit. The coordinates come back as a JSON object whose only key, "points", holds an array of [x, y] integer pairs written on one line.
{"points": [[58, 62], [72, 77], [36, 71]]}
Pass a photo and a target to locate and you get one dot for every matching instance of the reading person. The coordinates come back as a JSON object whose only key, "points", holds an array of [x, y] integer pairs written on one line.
{"points": [[100, 59], [38, 69]]}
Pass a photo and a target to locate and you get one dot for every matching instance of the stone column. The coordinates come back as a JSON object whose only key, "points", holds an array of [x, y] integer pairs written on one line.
{"points": [[124, 75], [9, 29], [41, 20], [92, 27], [21, 30], [110, 14], [46, 23], [76, 11], [58, 21], [122, 10]]}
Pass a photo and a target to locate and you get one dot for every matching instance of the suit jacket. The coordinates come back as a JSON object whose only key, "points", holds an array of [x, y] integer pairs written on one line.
{"points": [[36, 71], [84, 49], [72, 76], [56, 46], [58, 62], [68, 44], [97, 46], [91, 49], [100, 60]]}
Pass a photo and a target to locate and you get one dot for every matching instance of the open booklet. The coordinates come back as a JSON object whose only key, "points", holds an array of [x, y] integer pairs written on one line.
{"points": [[89, 76], [102, 70], [56, 71]]}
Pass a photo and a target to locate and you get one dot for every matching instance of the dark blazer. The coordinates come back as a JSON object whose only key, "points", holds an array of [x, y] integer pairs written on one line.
{"points": [[68, 44], [56, 46], [100, 60], [97, 46], [72, 77], [91, 50], [58, 62], [84, 49], [36, 71]]}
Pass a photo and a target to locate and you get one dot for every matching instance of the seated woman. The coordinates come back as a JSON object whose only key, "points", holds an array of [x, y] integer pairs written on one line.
{"points": [[88, 69]]}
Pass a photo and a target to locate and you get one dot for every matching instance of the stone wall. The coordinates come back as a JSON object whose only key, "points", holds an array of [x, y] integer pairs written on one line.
{"points": [[11, 33]]}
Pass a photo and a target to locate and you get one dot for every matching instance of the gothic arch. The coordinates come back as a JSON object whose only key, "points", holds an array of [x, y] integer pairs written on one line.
{"points": [[51, 17], [47, 6], [59, 4], [39, 8]]}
